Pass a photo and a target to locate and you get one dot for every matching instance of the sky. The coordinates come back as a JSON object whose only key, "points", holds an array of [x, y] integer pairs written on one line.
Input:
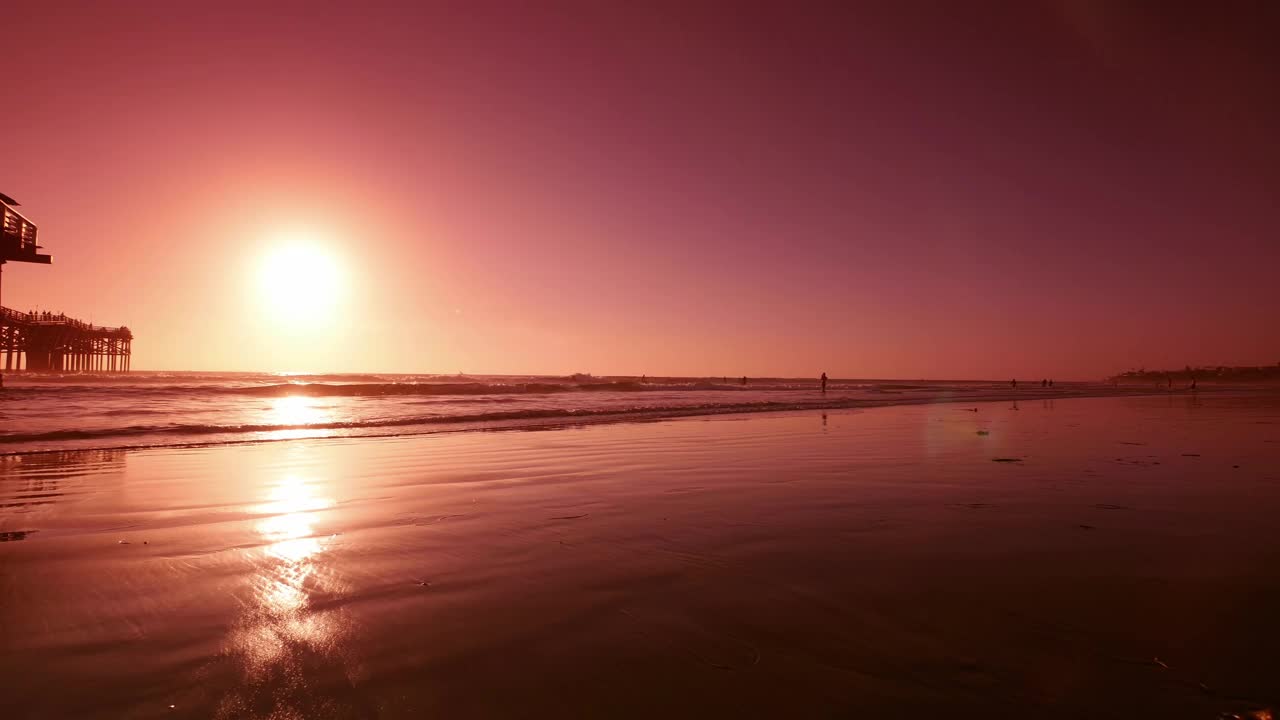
{"points": [[898, 190]]}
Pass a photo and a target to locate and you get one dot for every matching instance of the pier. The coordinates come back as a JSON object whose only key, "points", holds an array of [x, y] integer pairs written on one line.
{"points": [[44, 341], [49, 342]]}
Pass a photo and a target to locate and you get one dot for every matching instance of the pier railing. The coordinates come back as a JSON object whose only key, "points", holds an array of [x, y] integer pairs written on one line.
{"points": [[14, 317]]}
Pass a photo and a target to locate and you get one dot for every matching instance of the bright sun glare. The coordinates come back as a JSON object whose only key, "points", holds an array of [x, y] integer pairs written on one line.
{"points": [[300, 283]]}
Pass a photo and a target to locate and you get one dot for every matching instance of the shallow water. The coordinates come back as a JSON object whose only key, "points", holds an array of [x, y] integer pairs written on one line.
{"points": [[859, 563], [77, 411]]}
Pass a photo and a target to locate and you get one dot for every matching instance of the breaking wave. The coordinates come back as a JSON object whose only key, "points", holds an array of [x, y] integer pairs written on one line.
{"points": [[498, 417]]}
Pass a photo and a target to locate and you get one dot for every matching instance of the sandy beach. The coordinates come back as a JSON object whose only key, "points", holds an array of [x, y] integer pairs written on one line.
{"points": [[1108, 557]]}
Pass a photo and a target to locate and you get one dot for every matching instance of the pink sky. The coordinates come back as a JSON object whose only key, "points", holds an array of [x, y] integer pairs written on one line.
{"points": [[1046, 190]]}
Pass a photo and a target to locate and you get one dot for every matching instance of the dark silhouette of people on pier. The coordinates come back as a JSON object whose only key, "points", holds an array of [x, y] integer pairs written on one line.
{"points": [[824, 382]]}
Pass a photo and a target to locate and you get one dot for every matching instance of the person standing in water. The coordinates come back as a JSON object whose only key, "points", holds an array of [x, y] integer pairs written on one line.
{"points": [[824, 382], [744, 379], [1014, 383]]}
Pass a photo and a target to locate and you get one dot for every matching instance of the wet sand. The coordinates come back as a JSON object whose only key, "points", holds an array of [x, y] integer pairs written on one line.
{"points": [[1120, 562]]}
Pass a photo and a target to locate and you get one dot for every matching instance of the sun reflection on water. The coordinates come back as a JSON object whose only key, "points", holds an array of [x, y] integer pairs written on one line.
{"points": [[298, 413]]}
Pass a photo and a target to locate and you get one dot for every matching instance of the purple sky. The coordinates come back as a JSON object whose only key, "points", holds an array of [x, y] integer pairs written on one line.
{"points": [[1057, 189]]}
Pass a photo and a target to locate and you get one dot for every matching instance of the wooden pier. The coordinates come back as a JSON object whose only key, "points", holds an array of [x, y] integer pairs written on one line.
{"points": [[49, 342]]}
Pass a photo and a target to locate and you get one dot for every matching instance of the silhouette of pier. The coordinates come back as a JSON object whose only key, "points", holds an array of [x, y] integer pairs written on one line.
{"points": [[44, 341]]}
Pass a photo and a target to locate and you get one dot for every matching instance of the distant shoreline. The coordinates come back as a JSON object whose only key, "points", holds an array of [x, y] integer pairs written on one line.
{"points": [[1266, 374]]}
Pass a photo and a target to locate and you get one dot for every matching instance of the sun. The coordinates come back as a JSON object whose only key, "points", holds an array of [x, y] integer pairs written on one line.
{"points": [[300, 283]]}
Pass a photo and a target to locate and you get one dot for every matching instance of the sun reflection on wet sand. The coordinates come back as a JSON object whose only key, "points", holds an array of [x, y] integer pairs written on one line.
{"points": [[282, 640], [293, 548], [289, 503]]}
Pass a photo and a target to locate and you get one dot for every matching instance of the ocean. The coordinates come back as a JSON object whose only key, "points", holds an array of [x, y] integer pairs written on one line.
{"points": [[161, 409]]}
